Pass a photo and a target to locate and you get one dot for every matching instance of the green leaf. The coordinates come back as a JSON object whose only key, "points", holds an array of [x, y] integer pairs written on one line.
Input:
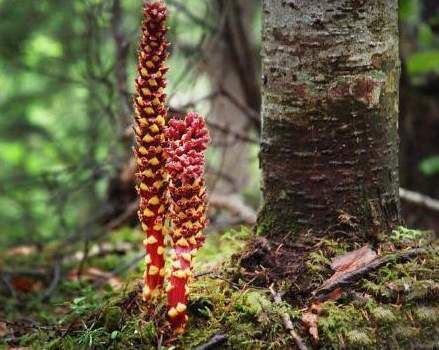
{"points": [[79, 300], [408, 10], [423, 62], [426, 35], [114, 335], [430, 166]]}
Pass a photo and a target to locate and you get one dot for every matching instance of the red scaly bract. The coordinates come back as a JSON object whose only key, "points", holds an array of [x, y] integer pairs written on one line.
{"points": [[187, 141], [149, 128]]}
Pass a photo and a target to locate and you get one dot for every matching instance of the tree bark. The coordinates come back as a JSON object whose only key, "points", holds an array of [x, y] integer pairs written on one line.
{"points": [[329, 146]]}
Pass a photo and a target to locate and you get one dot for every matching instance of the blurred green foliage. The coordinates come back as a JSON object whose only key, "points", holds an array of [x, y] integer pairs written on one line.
{"points": [[430, 166], [425, 58], [61, 126]]}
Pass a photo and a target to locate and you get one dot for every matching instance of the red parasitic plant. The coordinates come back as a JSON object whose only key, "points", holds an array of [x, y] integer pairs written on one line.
{"points": [[149, 130], [187, 141]]}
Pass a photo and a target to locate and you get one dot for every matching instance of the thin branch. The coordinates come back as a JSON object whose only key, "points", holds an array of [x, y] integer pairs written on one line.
{"points": [[121, 59], [287, 321], [197, 20], [253, 115], [122, 218], [55, 281], [127, 266], [236, 135], [235, 205], [419, 199], [215, 341]]}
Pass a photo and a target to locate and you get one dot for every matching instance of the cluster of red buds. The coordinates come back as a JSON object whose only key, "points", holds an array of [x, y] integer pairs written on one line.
{"points": [[170, 172], [187, 141], [150, 139]]}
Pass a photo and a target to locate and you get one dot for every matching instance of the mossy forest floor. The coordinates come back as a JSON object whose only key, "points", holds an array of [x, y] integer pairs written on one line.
{"points": [[393, 307]]}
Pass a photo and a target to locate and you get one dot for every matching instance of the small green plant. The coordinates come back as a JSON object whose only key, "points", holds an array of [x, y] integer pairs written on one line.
{"points": [[404, 235]]}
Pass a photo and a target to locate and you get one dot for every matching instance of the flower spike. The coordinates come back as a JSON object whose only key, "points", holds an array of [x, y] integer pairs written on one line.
{"points": [[150, 120], [187, 141]]}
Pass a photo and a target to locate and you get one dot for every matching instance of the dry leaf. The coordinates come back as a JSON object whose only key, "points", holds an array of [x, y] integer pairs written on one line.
{"points": [[347, 219], [24, 250], [93, 274], [351, 261], [26, 284], [310, 320], [3, 329], [335, 294], [316, 308], [354, 259]]}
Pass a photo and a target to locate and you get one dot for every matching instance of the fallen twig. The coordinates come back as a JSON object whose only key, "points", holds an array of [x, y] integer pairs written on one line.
{"points": [[204, 273], [122, 218], [130, 264], [235, 205], [287, 322], [55, 281], [348, 278], [419, 199], [100, 250], [213, 342], [8, 289]]}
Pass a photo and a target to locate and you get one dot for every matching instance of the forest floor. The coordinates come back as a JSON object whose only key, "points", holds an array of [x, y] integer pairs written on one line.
{"points": [[246, 294]]}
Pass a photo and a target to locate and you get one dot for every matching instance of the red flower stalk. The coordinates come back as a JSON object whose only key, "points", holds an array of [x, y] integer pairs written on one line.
{"points": [[187, 141], [150, 137]]}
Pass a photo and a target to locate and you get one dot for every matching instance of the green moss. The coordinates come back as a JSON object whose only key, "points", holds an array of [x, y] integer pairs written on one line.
{"points": [[395, 307], [339, 320], [270, 224], [383, 315], [406, 235], [247, 316], [112, 318], [318, 262], [427, 315], [359, 339]]}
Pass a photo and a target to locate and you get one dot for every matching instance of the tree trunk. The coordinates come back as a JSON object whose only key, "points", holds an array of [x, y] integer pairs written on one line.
{"points": [[329, 147]]}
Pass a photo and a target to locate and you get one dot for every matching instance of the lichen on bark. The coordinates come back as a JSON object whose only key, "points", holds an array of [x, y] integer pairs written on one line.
{"points": [[330, 108]]}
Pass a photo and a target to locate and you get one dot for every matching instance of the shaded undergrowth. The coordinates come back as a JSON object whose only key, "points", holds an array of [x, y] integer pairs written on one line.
{"points": [[394, 307]]}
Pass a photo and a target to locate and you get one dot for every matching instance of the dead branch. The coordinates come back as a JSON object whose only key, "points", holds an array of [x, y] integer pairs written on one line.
{"points": [[287, 321], [121, 57], [101, 249], [127, 266], [213, 342], [419, 199], [235, 205], [252, 114], [349, 278], [236, 135], [122, 218], [197, 20], [7, 287], [55, 281]]}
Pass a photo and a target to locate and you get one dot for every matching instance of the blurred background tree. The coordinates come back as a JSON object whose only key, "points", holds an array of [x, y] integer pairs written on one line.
{"points": [[419, 105], [67, 71]]}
